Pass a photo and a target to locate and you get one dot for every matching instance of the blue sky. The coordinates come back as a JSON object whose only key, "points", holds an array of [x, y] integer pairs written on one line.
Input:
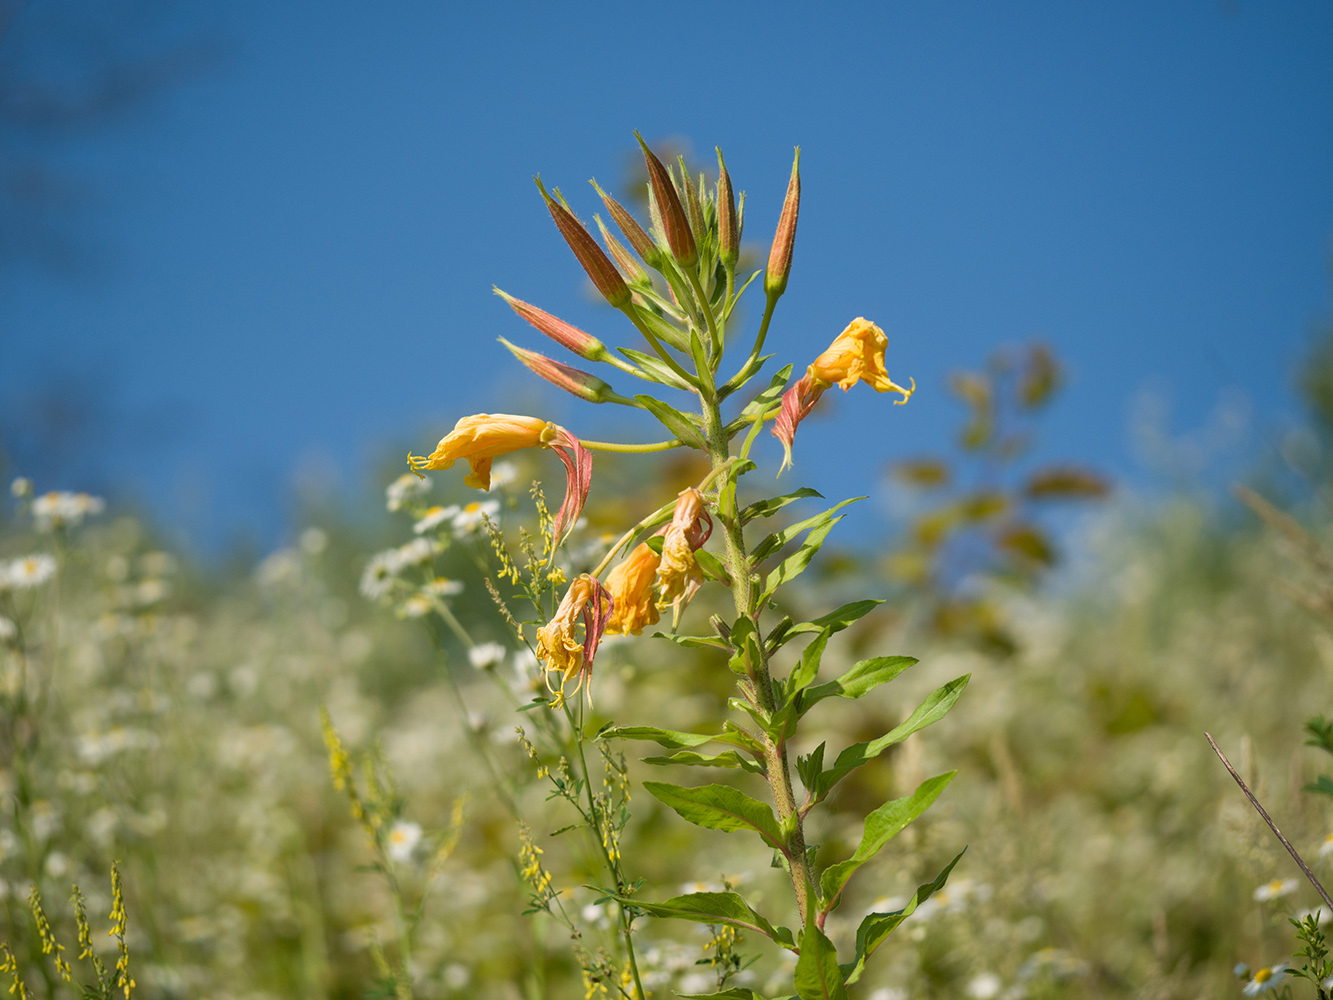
{"points": [[300, 243]]}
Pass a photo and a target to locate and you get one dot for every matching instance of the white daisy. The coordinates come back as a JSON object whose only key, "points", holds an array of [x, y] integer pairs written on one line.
{"points": [[29, 571], [434, 517], [415, 552], [406, 487], [469, 520], [1266, 979], [416, 606], [487, 655], [378, 576], [61, 509], [440, 587], [20, 487], [985, 986], [402, 840], [503, 474], [1275, 889]]}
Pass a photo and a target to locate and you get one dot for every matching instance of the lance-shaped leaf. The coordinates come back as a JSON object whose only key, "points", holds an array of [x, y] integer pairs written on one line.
{"points": [[761, 403], [734, 993], [807, 667], [720, 807], [794, 565], [818, 976], [661, 329], [712, 908], [881, 826], [834, 621], [779, 539], [769, 507], [694, 641], [934, 708], [727, 758], [656, 368], [673, 420], [864, 677], [878, 926], [670, 738]]}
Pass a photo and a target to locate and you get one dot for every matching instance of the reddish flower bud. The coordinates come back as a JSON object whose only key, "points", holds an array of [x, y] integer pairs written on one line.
{"points": [[779, 258], [641, 242], [572, 380], [570, 337], [599, 267], [693, 209], [675, 226], [728, 227]]}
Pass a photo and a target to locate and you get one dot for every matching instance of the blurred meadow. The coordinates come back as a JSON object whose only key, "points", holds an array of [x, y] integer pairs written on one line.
{"points": [[252, 662]]}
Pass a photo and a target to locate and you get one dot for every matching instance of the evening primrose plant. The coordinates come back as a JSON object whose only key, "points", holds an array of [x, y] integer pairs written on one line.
{"points": [[562, 594]]}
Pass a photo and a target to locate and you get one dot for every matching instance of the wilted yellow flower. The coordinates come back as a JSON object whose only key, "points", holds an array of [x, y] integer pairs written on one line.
{"points": [[631, 587], [678, 574], [557, 647]]}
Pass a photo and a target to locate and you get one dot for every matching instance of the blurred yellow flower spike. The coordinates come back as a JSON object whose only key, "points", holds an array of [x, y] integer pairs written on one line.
{"points": [[631, 587], [557, 648], [482, 436], [679, 575], [856, 355]]}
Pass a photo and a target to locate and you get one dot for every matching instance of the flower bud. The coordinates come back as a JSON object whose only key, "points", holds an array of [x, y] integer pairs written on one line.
{"points": [[779, 258], [599, 267], [693, 209], [570, 337], [675, 226], [580, 383], [641, 242], [623, 258], [728, 229]]}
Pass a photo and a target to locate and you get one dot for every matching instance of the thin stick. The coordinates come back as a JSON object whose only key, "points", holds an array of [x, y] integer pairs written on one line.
{"points": [[1271, 825]]}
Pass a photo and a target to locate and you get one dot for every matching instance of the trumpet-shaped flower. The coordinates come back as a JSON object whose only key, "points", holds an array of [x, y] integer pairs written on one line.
{"points": [[631, 587], [679, 574], [856, 355], [483, 436], [558, 648]]}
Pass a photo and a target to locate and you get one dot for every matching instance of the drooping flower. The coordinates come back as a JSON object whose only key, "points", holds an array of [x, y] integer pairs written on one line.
{"points": [[679, 575], [856, 355], [558, 648], [483, 436], [631, 587]]}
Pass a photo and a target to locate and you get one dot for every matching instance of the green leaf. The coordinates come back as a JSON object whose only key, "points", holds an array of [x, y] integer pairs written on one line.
{"points": [[881, 826], [656, 368], [809, 766], [794, 565], [697, 352], [694, 641], [769, 507], [727, 758], [673, 739], [720, 807], [818, 976], [662, 329], [1323, 784], [673, 420], [834, 621], [878, 926], [735, 993], [780, 539], [712, 567], [761, 402], [864, 677], [934, 708], [712, 908], [807, 668]]}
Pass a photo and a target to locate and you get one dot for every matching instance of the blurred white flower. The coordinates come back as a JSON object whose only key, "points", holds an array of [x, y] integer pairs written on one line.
{"points": [[503, 474], [28, 571], [8, 630], [406, 487], [456, 976], [314, 541], [440, 587], [486, 655], [1326, 848], [1275, 889], [20, 487], [1266, 979], [274, 569], [377, 578], [435, 517], [1057, 961], [985, 986], [402, 840], [416, 606], [1319, 912], [60, 509], [889, 993], [417, 551], [470, 519]]}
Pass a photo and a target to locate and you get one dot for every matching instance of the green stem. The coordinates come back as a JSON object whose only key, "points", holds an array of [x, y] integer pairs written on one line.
{"points": [[630, 448], [747, 369], [648, 335], [713, 334], [759, 690]]}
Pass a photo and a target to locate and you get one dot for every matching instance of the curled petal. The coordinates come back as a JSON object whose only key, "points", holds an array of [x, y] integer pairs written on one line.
{"points": [[557, 647], [578, 480], [631, 587], [797, 402]]}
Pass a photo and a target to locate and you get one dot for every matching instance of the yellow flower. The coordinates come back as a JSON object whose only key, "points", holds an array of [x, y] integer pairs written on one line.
{"points": [[481, 437], [631, 587], [557, 646], [857, 355]]}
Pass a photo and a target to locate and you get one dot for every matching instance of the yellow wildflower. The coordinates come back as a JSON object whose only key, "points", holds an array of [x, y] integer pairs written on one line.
{"points": [[557, 647], [631, 587]]}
